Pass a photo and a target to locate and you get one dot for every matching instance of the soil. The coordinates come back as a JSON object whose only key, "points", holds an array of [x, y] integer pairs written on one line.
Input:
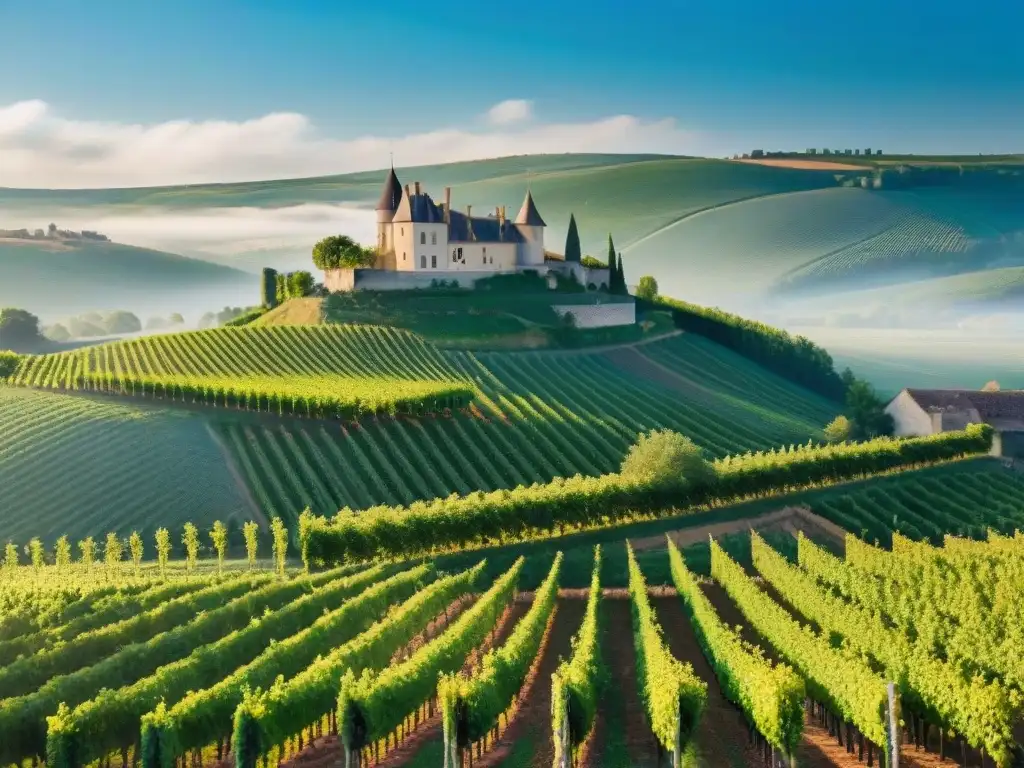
{"points": [[621, 715], [722, 737], [533, 718], [789, 519]]}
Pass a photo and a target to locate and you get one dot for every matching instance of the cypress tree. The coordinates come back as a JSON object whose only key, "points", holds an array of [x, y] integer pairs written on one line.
{"points": [[268, 292], [620, 280], [612, 269], [572, 241]]}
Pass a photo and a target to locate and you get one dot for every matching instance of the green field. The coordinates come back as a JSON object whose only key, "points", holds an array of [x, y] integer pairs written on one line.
{"points": [[61, 279], [82, 467]]}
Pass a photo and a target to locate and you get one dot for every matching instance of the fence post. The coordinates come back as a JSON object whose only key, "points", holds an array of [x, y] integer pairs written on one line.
{"points": [[892, 715], [677, 757]]}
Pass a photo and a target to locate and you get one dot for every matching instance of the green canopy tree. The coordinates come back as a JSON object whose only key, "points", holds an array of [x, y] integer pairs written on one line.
{"points": [[62, 552], [342, 252], [268, 288], [250, 531], [87, 547], [572, 242], [190, 538], [163, 549], [18, 328], [620, 279], [219, 537], [647, 288]]}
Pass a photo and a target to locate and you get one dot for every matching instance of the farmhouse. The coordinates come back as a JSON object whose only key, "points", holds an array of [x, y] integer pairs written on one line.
{"points": [[420, 242], [930, 411]]}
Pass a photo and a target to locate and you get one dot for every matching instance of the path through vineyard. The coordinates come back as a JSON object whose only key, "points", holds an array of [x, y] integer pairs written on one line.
{"points": [[532, 722], [722, 738]]}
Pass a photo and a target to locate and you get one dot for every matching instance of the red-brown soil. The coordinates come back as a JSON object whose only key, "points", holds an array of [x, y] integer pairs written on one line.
{"points": [[619, 658], [533, 718], [722, 737]]}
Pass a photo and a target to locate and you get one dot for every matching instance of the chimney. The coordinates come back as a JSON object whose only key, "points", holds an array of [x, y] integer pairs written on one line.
{"points": [[406, 190], [417, 189], [447, 205], [500, 211], [469, 222]]}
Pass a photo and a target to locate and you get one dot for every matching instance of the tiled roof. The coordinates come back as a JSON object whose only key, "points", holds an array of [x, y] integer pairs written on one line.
{"points": [[999, 405], [391, 196], [485, 230], [419, 208], [528, 214]]}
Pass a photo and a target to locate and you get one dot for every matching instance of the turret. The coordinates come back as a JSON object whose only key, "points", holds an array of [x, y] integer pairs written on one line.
{"points": [[531, 226], [390, 197]]}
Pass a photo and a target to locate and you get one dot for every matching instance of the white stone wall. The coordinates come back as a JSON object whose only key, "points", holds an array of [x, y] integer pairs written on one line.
{"points": [[501, 257], [532, 250], [910, 419], [599, 315]]}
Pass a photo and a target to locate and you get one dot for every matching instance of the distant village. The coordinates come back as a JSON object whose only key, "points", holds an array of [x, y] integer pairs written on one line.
{"points": [[52, 233], [756, 154]]}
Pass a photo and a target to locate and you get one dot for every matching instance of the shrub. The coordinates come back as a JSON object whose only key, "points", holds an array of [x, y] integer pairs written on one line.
{"points": [[591, 263], [666, 458], [9, 362], [838, 430]]}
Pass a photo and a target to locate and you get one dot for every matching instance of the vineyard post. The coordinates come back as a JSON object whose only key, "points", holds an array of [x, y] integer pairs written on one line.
{"points": [[892, 716]]}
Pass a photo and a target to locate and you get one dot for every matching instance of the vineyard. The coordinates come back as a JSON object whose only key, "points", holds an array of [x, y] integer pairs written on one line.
{"points": [[314, 371], [62, 457], [414, 665], [536, 416]]}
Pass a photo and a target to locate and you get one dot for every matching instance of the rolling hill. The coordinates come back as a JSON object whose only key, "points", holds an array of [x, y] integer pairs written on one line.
{"points": [[533, 415], [712, 231], [67, 277]]}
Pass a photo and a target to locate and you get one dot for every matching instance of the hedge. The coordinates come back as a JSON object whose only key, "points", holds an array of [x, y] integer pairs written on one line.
{"points": [[503, 516]]}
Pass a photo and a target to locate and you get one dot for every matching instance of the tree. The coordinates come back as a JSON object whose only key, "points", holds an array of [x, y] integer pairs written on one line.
{"points": [[251, 533], [305, 523], [18, 328], [190, 538], [219, 537], [163, 549], [300, 284], [666, 458], [620, 279], [342, 252], [992, 386], [572, 242], [136, 548], [612, 265], [121, 322], [51, 230], [57, 332], [838, 430], [280, 535], [62, 553], [37, 555], [87, 547], [176, 318], [647, 288], [10, 556], [268, 288], [866, 411], [112, 552]]}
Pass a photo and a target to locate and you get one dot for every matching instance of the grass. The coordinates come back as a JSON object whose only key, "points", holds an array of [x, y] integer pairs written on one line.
{"points": [[82, 467], [294, 312]]}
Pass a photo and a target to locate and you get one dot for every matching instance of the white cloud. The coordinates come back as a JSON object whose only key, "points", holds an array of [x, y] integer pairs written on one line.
{"points": [[39, 148], [510, 111]]}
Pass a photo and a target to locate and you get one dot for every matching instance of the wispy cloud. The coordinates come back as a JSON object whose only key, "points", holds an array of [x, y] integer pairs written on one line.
{"points": [[510, 111], [39, 148]]}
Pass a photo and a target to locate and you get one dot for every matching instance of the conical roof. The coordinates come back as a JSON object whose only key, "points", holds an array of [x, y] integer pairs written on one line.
{"points": [[528, 214], [391, 196]]}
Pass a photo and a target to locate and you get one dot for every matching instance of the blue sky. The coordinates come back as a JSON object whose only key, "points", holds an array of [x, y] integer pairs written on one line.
{"points": [[905, 75]]}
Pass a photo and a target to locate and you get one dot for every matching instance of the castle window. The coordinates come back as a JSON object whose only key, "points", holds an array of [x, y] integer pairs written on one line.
{"points": [[423, 238], [423, 262], [454, 255], [403, 231], [433, 262], [433, 238], [403, 255]]}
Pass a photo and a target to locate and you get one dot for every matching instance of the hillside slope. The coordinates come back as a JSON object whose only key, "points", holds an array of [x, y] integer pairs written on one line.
{"points": [[71, 276], [77, 466]]}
